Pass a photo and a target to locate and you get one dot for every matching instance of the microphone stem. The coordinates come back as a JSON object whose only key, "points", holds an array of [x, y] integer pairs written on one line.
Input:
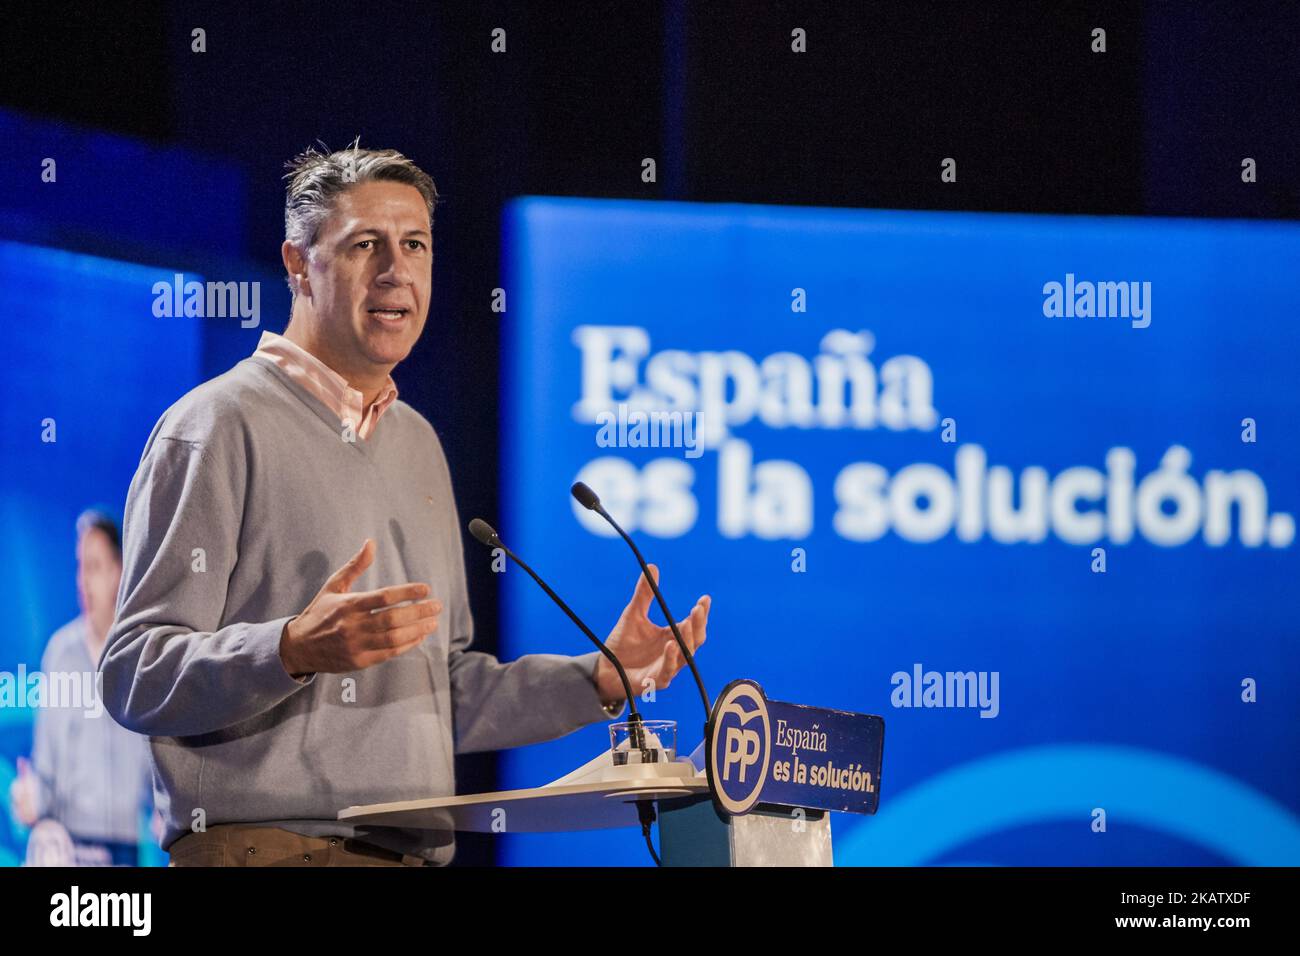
{"points": [[634, 716], [663, 606]]}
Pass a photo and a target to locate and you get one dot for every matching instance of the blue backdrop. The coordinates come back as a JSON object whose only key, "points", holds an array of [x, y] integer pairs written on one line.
{"points": [[79, 258], [916, 463], [80, 344]]}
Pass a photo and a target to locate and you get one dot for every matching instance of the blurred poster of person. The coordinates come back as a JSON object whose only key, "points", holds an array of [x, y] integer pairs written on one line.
{"points": [[89, 778]]}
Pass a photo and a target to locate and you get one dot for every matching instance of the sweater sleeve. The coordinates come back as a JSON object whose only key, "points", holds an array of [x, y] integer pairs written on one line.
{"points": [[495, 704], [534, 698], [169, 668]]}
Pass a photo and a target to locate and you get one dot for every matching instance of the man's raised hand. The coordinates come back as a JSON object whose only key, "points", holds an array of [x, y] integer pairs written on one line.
{"points": [[649, 652], [340, 631]]}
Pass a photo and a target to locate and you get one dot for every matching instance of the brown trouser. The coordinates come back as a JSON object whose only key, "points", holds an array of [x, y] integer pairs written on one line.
{"points": [[238, 844]]}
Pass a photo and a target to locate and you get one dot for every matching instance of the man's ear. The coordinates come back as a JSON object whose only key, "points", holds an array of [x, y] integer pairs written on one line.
{"points": [[295, 264]]}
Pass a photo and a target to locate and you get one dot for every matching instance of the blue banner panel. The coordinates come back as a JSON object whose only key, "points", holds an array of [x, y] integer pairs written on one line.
{"points": [[84, 385], [1023, 485]]}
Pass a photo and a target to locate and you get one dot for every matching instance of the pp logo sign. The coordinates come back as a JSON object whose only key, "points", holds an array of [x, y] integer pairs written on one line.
{"points": [[740, 747]]}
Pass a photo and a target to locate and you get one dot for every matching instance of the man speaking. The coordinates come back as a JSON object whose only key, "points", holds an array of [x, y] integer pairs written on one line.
{"points": [[293, 627]]}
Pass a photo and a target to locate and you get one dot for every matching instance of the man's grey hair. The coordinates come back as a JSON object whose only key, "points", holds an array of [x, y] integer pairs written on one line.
{"points": [[316, 179]]}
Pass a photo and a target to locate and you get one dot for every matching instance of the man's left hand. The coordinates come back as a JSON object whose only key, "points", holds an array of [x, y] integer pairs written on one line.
{"points": [[649, 652]]}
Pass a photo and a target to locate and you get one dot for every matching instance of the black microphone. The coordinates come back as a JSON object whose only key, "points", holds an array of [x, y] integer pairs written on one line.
{"points": [[486, 535], [587, 498]]}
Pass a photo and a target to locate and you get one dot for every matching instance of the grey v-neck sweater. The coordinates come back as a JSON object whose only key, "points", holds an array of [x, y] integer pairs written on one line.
{"points": [[246, 499]]}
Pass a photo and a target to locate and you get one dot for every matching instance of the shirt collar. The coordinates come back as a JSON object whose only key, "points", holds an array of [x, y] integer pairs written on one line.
{"points": [[325, 383]]}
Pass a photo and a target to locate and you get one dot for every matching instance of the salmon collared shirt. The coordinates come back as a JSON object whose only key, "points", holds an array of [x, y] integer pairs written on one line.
{"points": [[345, 401], [326, 384]]}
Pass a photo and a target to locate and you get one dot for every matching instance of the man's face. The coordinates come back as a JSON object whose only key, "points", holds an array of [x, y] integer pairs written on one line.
{"points": [[98, 574], [370, 273]]}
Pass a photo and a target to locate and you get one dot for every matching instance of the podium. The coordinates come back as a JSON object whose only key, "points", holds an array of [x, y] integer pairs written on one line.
{"points": [[602, 796], [757, 791]]}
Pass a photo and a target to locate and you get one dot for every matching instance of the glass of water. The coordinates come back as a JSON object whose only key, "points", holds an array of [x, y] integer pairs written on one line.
{"points": [[657, 743]]}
